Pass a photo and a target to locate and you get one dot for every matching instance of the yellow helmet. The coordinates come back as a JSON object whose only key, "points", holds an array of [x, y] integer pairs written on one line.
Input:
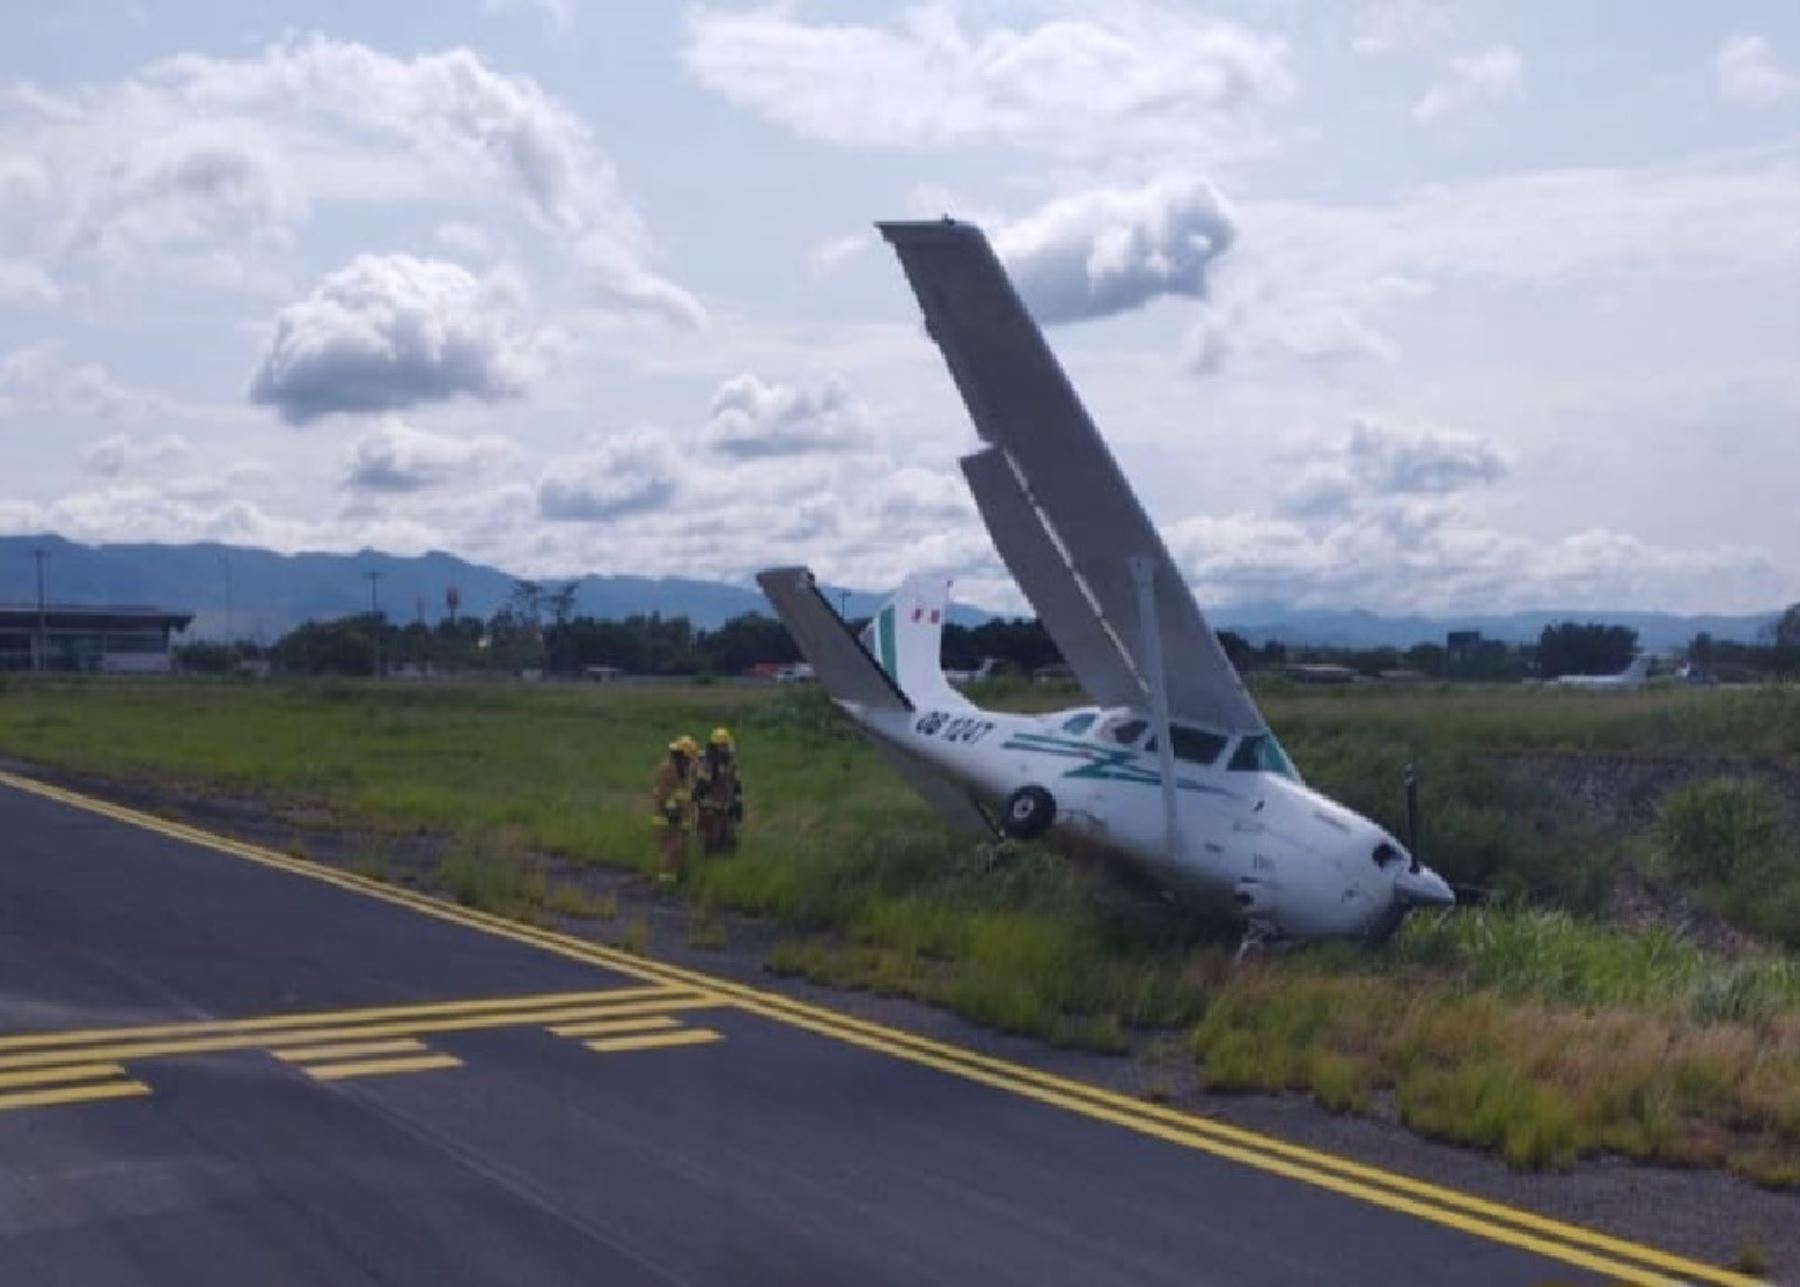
{"points": [[686, 745], [720, 737]]}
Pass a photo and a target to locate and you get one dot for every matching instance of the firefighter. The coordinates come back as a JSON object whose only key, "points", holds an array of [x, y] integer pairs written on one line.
{"points": [[720, 793], [673, 794]]}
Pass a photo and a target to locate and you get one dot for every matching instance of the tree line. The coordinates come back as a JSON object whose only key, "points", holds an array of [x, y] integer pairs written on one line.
{"points": [[536, 630]]}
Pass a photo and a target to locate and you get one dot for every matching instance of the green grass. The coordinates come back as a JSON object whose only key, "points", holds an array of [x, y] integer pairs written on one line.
{"points": [[572, 901], [1726, 840], [1527, 1028]]}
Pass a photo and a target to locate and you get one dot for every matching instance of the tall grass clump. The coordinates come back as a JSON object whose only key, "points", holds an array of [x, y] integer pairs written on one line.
{"points": [[1726, 840], [1718, 832], [491, 873]]}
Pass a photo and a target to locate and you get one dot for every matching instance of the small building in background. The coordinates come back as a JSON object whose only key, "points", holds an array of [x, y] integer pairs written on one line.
{"points": [[96, 639], [1461, 646]]}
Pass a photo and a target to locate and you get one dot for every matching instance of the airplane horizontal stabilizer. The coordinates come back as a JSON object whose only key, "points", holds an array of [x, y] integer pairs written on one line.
{"points": [[840, 662]]}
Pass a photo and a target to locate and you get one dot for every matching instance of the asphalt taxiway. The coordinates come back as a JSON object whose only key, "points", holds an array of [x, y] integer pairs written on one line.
{"points": [[222, 1064]]}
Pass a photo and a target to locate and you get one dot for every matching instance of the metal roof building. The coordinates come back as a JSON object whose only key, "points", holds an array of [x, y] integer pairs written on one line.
{"points": [[88, 638]]}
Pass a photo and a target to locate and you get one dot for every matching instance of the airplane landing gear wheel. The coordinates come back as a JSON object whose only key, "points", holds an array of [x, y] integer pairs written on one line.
{"points": [[1029, 812]]}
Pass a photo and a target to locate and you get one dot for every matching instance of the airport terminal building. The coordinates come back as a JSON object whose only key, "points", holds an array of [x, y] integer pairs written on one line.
{"points": [[108, 640]]}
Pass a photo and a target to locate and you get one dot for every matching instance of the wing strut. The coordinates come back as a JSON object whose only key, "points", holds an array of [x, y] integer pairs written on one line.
{"points": [[1143, 572]]}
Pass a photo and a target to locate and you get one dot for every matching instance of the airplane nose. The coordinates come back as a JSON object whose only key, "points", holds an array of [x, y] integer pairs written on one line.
{"points": [[1422, 887]]}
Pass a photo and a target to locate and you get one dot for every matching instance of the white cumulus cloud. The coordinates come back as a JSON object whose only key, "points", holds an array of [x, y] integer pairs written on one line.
{"points": [[1746, 72], [397, 457], [194, 151], [1380, 462], [633, 473], [392, 331], [119, 453], [1110, 250], [39, 378], [1139, 77], [1384, 515], [1490, 76], [749, 418]]}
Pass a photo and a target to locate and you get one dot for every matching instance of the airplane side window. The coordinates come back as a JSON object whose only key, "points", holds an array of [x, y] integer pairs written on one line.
{"points": [[1078, 723], [1128, 731], [1195, 745]]}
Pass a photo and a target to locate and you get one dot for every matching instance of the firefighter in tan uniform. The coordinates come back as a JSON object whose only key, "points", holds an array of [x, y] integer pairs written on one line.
{"points": [[720, 794], [672, 792]]}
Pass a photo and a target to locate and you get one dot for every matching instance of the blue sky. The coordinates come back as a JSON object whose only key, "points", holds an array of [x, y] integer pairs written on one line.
{"points": [[1400, 304]]}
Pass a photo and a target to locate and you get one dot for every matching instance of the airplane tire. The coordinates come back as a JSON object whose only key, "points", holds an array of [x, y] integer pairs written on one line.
{"points": [[1029, 812]]}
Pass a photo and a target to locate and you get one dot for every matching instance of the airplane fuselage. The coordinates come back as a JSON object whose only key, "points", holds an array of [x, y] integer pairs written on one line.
{"points": [[1293, 862]]}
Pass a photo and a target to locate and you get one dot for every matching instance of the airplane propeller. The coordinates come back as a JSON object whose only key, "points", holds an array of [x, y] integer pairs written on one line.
{"points": [[1410, 776], [1466, 895]]}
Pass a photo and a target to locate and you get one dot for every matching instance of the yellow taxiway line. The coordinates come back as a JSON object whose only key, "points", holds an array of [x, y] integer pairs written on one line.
{"points": [[1572, 1244], [270, 1023], [153, 1049]]}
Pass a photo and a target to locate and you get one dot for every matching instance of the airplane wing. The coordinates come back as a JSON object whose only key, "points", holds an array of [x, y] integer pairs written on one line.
{"points": [[1100, 661], [1023, 404]]}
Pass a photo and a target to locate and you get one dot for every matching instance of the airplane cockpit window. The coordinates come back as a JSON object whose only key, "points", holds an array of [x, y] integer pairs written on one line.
{"points": [[1079, 723], [1261, 753], [1125, 732], [1195, 745]]}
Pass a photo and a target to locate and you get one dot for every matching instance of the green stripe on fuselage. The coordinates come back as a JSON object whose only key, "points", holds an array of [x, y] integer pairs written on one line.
{"points": [[1102, 765]]}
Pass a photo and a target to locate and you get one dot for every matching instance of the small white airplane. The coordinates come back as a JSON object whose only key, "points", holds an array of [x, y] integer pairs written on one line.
{"points": [[1171, 769], [1633, 676], [984, 671]]}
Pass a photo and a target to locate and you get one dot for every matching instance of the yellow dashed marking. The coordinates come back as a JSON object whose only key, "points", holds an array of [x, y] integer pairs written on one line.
{"points": [[604, 1027], [322, 1018], [347, 1050], [150, 1049], [64, 1073], [381, 1067], [72, 1095], [655, 1041]]}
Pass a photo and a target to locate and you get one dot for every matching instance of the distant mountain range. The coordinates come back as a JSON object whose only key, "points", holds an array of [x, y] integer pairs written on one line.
{"points": [[271, 593]]}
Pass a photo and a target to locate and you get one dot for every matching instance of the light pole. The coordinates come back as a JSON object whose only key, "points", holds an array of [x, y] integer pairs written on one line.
{"points": [[374, 624], [43, 633], [226, 556]]}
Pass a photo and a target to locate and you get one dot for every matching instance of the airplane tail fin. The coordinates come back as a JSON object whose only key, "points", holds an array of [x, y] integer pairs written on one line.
{"points": [[906, 639], [1639, 668], [839, 660]]}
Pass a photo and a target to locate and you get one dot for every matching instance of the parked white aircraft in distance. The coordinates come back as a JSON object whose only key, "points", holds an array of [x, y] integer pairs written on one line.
{"points": [[983, 671], [1170, 769], [1633, 676]]}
